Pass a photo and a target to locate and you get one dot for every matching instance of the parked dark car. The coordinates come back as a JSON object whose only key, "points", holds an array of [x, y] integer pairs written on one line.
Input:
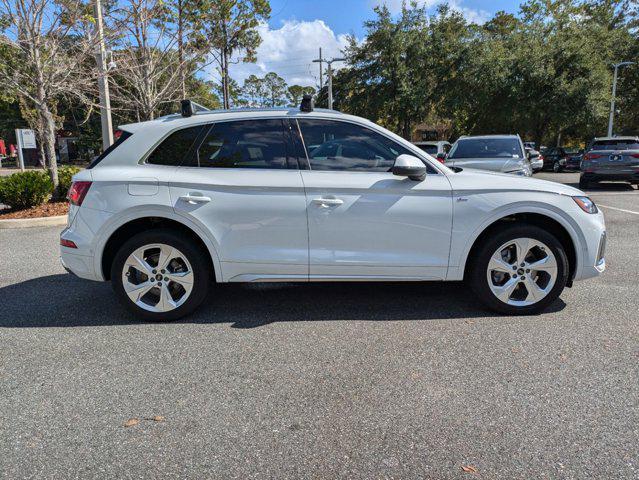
{"points": [[557, 158], [611, 158]]}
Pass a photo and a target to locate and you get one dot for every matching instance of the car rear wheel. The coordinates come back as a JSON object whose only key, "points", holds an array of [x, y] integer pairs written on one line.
{"points": [[556, 167], [160, 276], [520, 270]]}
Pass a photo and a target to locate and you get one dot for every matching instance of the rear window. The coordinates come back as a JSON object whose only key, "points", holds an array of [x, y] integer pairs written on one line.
{"points": [[615, 145], [431, 149], [487, 148], [176, 147], [121, 139]]}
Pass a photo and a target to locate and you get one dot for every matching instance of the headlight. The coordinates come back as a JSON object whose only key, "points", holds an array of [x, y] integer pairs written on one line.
{"points": [[586, 204], [517, 172]]}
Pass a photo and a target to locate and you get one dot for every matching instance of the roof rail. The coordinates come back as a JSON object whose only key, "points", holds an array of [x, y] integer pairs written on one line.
{"points": [[189, 108]]}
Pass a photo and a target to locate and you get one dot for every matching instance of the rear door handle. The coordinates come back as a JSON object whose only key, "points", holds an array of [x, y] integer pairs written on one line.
{"points": [[193, 199], [326, 202]]}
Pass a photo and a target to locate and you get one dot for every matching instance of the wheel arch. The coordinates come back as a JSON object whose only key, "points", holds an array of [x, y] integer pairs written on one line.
{"points": [[569, 236], [128, 227]]}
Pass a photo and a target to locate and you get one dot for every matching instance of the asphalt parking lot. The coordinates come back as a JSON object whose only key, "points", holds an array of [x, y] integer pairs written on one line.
{"points": [[320, 381]]}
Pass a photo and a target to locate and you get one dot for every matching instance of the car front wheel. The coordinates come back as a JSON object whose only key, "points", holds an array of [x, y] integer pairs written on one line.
{"points": [[520, 270], [160, 275], [556, 167]]}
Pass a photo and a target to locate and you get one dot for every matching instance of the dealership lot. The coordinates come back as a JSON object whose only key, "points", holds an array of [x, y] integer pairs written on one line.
{"points": [[320, 381]]}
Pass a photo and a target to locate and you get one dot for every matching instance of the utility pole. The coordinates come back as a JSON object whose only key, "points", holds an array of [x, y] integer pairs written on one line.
{"points": [[320, 60], [330, 80], [103, 81], [614, 93]]}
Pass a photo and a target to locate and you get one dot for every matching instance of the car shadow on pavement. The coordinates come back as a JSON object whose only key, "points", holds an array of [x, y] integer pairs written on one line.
{"points": [[66, 301]]}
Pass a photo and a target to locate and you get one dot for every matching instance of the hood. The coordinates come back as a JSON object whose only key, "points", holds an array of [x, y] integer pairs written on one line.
{"points": [[473, 180]]}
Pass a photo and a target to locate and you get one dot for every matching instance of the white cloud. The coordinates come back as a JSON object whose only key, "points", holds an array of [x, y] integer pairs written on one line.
{"points": [[471, 14], [289, 51]]}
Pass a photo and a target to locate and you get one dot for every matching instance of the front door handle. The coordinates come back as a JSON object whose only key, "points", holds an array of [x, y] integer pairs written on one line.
{"points": [[328, 202], [193, 199]]}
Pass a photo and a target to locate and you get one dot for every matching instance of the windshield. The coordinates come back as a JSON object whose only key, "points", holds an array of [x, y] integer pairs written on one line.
{"points": [[615, 145], [486, 148]]}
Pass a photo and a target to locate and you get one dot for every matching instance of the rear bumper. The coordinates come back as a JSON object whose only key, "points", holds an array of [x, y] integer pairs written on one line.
{"points": [[628, 175]]}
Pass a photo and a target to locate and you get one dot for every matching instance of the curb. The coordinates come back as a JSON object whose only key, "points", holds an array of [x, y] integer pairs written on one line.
{"points": [[33, 222]]}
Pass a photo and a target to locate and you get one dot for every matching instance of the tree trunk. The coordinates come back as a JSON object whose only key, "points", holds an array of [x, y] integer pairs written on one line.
{"points": [[48, 134], [225, 79]]}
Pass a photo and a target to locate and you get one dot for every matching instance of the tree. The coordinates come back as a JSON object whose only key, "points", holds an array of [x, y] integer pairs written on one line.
{"points": [[229, 27], [295, 93], [47, 53], [276, 89], [254, 92], [148, 68]]}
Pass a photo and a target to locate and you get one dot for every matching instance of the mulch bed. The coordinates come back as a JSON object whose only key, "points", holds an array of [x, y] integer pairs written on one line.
{"points": [[50, 209]]}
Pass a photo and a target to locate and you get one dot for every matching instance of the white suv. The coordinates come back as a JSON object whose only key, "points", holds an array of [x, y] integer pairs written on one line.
{"points": [[184, 201]]}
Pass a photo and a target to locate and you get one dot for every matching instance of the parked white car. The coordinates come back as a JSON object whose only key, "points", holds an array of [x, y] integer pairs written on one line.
{"points": [[236, 196]]}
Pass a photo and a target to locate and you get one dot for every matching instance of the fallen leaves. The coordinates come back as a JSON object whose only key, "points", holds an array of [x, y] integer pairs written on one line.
{"points": [[469, 469], [131, 422], [158, 418]]}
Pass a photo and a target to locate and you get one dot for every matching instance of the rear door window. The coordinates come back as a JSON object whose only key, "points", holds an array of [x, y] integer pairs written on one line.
{"points": [[259, 144]]}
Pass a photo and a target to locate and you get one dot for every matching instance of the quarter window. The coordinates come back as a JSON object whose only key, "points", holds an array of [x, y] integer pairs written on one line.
{"points": [[334, 145], [246, 144], [175, 149]]}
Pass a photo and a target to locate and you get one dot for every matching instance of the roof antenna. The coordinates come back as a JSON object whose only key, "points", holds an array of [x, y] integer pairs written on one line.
{"points": [[307, 103], [189, 108]]}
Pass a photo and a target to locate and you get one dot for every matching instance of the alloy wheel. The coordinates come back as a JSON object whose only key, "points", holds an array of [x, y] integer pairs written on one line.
{"points": [[522, 272], [157, 277]]}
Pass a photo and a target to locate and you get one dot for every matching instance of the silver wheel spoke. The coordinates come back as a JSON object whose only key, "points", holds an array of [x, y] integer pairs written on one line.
{"points": [[504, 292], [498, 264], [535, 292], [136, 261], [548, 264], [185, 278], [165, 303], [167, 254], [523, 246], [136, 292]]}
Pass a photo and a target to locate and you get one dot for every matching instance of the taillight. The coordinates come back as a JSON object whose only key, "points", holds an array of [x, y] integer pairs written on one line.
{"points": [[634, 155], [77, 192], [67, 243], [592, 156]]}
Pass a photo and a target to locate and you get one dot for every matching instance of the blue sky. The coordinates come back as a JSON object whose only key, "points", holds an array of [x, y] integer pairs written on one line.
{"points": [[297, 28]]}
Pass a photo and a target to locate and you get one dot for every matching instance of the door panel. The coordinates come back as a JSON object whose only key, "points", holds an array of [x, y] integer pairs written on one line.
{"points": [[249, 195], [377, 225]]}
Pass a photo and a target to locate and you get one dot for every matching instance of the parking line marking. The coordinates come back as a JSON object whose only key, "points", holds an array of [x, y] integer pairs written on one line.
{"points": [[618, 209]]}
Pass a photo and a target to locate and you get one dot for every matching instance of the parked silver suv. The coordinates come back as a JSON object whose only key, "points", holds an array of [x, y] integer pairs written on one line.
{"points": [[498, 153], [611, 158]]}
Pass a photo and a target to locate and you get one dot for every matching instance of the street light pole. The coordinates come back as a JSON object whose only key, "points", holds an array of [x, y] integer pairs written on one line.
{"points": [[103, 82], [614, 93], [330, 79]]}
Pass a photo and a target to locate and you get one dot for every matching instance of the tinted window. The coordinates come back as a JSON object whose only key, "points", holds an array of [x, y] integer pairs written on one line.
{"points": [[176, 147], [245, 144], [123, 136], [615, 145], [431, 149], [345, 146], [487, 148]]}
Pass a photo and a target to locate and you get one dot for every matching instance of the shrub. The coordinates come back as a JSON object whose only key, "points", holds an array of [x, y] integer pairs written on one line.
{"points": [[64, 178], [25, 189]]}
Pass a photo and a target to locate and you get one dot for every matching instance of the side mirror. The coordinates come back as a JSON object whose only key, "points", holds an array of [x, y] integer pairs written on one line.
{"points": [[441, 156], [409, 166]]}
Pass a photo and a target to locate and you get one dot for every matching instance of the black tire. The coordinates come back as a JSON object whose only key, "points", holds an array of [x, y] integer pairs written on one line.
{"points": [[198, 259], [478, 270], [556, 167], [583, 184]]}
